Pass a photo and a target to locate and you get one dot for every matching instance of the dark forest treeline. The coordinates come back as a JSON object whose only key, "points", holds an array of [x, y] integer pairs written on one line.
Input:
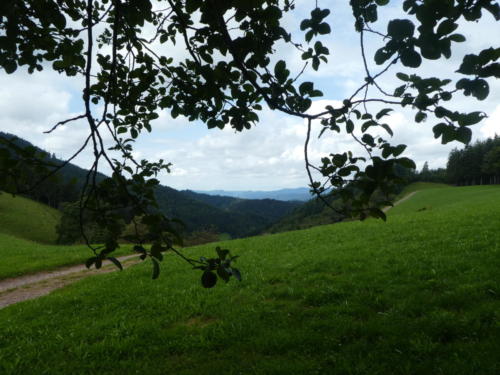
{"points": [[476, 164]]}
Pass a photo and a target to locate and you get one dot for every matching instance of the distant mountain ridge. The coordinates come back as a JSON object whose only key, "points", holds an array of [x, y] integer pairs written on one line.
{"points": [[291, 194]]}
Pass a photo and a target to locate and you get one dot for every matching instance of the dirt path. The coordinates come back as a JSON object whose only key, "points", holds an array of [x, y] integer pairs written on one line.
{"points": [[35, 285], [405, 198]]}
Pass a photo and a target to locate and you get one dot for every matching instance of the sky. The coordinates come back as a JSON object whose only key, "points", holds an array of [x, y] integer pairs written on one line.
{"points": [[270, 155]]}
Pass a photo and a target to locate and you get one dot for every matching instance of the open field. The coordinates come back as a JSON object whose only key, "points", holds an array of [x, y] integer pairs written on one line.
{"points": [[419, 294], [25, 218]]}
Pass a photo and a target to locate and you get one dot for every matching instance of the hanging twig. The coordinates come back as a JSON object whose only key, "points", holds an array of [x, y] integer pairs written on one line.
{"points": [[64, 122]]}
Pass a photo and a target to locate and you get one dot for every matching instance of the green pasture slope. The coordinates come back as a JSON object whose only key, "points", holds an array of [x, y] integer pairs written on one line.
{"points": [[418, 186], [27, 229], [419, 294], [24, 218], [436, 197]]}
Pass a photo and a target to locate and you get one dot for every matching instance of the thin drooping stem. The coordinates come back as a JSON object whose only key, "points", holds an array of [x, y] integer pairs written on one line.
{"points": [[64, 122]]}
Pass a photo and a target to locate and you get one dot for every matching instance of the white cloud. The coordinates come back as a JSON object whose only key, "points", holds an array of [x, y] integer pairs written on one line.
{"points": [[32, 104]]}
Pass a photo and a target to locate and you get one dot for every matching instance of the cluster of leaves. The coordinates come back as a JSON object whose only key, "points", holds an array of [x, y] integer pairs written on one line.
{"points": [[228, 77], [433, 40], [218, 267], [37, 31]]}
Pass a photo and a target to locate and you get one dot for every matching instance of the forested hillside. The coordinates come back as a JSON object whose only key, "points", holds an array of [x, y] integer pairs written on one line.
{"points": [[308, 215], [61, 187], [236, 217]]}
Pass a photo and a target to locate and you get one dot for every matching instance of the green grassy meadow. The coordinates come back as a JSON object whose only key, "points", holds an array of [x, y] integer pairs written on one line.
{"points": [[25, 218], [418, 294]]}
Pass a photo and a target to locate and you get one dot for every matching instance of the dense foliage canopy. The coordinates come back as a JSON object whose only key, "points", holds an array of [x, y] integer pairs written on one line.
{"points": [[120, 48]]}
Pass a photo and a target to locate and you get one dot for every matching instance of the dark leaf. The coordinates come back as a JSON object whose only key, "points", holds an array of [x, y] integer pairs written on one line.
{"points": [[156, 268], [350, 126], [480, 89], [420, 116], [459, 38], [410, 58], [403, 77], [378, 213], [383, 112], [398, 150], [208, 279], [439, 129], [464, 134], [236, 273], [305, 88], [471, 118], [10, 66], [381, 56], [387, 129], [447, 27], [116, 262], [324, 28], [222, 253], [223, 274], [400, 29]]}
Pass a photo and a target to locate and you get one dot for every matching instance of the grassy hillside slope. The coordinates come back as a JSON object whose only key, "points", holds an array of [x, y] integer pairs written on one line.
{"points": [[432, 199], [419, 294], [25, 218], [416, 186]]}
